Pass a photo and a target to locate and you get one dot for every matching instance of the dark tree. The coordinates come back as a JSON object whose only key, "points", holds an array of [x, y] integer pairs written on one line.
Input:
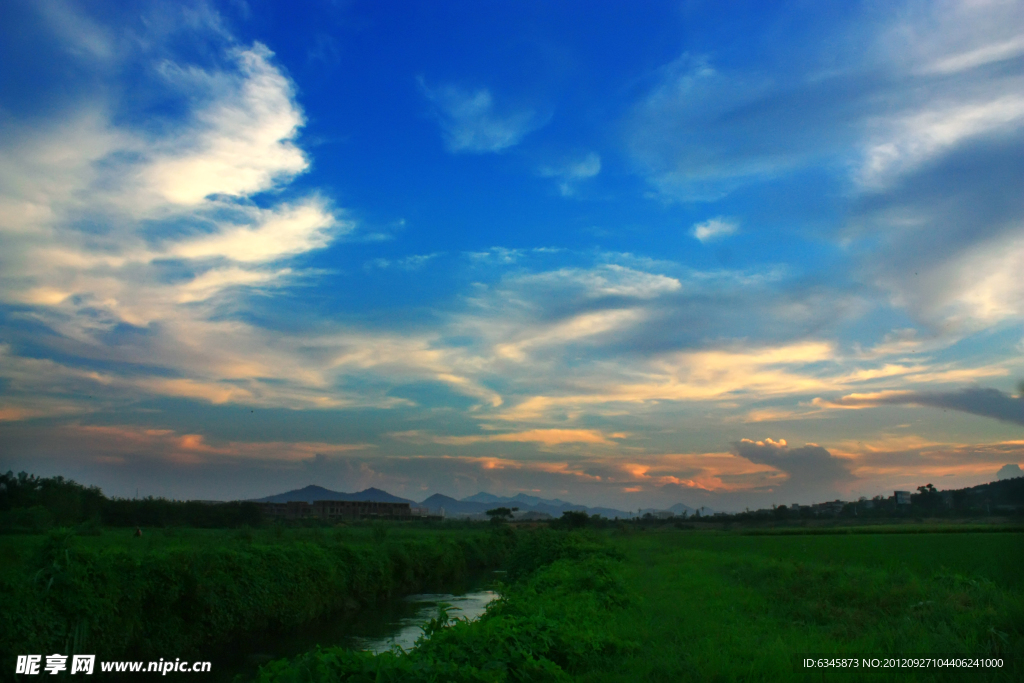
{"points": [[499, 515], [573, 519]]}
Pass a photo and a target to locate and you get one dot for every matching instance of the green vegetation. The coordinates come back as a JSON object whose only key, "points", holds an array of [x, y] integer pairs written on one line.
{"points": [[547, 626], [719, 606], [697, 606], [181, 590], [501, 514], [585, 599], [30, 504]]}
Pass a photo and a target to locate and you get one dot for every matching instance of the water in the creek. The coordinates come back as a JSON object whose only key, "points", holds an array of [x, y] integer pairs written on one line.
{"points": [[410, 628], [377, 629]]}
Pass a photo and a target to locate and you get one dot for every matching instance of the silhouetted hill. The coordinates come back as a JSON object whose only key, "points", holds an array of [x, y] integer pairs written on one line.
{"points": [[476, 504], [454, 507], [484, 498], [312, 493]]}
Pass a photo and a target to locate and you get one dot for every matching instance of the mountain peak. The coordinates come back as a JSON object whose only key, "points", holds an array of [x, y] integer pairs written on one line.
{"points": [[311, 493]]}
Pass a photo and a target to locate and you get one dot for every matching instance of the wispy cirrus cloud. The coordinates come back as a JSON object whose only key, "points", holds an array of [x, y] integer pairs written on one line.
{"points": [[241, 143], [545, 437], [922, 129], [473, 123], [928, 83], [570, 174]]}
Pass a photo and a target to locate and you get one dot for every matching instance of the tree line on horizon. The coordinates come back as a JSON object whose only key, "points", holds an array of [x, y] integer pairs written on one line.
{"points": [[30, 503]]}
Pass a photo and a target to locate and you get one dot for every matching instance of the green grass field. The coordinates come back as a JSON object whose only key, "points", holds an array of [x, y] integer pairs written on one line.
{"points": [[596, 606], [725, 606], [675, 605]]}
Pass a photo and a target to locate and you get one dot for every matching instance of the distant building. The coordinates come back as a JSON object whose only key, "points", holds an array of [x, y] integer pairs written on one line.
{"points": [[833, 507], [902, 497], [664, 514], [337, 510]]}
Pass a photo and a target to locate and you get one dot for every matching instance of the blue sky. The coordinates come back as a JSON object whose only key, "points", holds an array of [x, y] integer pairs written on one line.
{"points": [[728, 254]]}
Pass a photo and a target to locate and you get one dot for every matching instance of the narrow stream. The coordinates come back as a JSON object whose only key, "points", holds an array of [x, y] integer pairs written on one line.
{"points": [[398, 622], [409, 629]]}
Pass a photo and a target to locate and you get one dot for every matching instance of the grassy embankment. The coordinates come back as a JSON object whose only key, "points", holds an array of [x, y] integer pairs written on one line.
{"points": [[696, 606], [173, 592]]}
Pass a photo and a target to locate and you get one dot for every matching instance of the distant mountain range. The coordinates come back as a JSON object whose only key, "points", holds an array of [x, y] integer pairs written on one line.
{"points": [[470, 506], [312, 493]]}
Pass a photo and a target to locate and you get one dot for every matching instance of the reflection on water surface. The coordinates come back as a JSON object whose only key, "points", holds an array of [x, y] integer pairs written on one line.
{"points": [[397, 622], [409, 628]]}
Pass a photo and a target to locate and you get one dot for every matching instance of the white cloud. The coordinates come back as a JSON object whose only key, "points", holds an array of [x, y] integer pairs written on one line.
{"points": [[472, 123], [987, 284], [180, 250], [86, 169], [239, 145], [978, 56], [212, 282], [570, 174], [912, 140], [413, 262], [922, 123], [283, 231], [714, 228], [933, 75], [601, 281]]}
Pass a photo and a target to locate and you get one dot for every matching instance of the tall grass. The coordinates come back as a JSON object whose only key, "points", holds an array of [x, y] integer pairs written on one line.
{"points": [[174, 593], [548, 626]]}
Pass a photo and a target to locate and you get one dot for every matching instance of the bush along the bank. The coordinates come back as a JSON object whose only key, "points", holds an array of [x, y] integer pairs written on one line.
{"points": [[178, 601], [547, 626]]}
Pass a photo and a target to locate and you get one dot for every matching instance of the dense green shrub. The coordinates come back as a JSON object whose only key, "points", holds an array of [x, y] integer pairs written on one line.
{"points": [[117, 604], [545, 546]]}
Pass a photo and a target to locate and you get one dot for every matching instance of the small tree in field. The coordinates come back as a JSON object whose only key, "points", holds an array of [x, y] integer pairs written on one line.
{"points": [[499, 515], [573, 519], [928, 498]]}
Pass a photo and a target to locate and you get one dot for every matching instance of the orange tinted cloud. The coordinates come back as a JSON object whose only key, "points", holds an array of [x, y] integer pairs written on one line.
{"points": [[546, 437], [194, 448]]}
